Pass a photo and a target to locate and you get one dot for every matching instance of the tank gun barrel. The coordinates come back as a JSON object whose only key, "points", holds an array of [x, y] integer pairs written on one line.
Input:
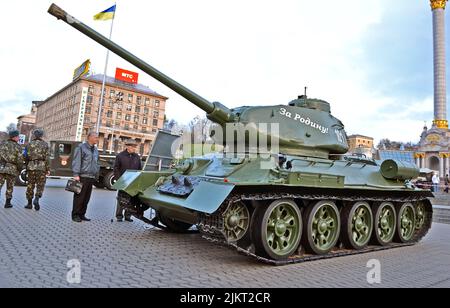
{"points": [[215, 111]]}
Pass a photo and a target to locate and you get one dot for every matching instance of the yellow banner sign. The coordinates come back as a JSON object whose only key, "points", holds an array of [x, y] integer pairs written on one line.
{"points": [[82, 70]]}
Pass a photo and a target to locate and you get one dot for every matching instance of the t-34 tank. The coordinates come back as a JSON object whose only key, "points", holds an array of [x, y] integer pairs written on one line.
{"points": [[311, 202]]}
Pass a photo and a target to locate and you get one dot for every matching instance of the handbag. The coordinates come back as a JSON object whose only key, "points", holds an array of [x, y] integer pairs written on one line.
{"points": [[74, 186]]}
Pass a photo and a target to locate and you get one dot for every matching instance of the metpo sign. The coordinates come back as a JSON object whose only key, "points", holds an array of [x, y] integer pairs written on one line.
{"points": [[127, 76]]}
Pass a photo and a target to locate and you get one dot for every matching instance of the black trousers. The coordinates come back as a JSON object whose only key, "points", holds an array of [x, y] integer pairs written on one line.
{"points": [[80, 201], [120, 210]]}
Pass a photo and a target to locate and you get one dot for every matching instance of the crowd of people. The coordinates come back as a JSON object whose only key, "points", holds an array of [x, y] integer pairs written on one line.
{"points": [[85, 168]]}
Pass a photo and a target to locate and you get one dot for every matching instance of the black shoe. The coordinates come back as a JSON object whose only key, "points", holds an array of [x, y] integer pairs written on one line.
{"points": [[37, 207], [128, 219], [76, 219], [119, 219], [29, 205], [8, 204], [85, 219]]}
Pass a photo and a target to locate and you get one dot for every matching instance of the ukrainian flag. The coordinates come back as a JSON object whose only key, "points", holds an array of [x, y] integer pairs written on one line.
{"points": [[106, 14]]}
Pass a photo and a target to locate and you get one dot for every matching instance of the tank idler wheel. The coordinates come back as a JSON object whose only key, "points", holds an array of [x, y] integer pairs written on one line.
{"points": [[357, 225], [322, 227], [406, 223], [385, 222], [173, 225], [277, 229], [236, 221]]}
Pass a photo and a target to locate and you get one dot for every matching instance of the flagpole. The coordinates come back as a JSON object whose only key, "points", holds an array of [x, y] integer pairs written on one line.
{"points": [[102, 97]]}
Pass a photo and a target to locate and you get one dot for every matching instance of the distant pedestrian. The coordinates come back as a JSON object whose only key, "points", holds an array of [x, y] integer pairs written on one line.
{"points": [[37, 156], [436, 181], [446, 184], [86, 168], [127, 160], [11, 163]]}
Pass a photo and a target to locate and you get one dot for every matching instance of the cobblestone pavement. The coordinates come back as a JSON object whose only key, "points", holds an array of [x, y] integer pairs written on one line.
{"points": [[36, 246]]}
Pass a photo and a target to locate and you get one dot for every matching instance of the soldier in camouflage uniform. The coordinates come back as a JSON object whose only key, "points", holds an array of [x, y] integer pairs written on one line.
{"points": [[11, 162], [38, 167]]}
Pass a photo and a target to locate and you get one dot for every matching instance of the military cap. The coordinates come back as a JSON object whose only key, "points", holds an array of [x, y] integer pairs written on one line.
{"points": [[131, 142], [38, 133], [13, 133]]}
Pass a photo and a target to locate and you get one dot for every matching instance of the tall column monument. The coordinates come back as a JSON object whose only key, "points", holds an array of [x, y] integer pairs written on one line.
{"points": [[440, 91]]}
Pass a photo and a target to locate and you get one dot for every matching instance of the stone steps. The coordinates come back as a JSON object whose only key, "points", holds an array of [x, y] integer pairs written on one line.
{"points": [[441, 215]]}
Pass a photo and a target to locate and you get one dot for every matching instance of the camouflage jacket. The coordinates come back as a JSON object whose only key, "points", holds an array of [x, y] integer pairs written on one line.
{"points": [[37, 156], [11, 158]]}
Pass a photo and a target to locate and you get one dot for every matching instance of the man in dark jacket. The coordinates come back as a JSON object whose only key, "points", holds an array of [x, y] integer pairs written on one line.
{"points": [[127, 160], [86, 169]]}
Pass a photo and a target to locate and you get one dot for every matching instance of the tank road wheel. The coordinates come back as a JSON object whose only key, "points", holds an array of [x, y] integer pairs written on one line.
{"points": [[357, 222], [174, 225], [277, 229], [237, 221], [385, 221], [322, 227], [420, 215], [406, 223]]}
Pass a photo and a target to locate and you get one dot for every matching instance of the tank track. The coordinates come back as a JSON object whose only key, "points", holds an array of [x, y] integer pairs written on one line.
{"points": [[211, 226]]}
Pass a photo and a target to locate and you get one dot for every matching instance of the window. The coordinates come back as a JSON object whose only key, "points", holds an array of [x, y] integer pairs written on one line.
{"points": [[89, 99], [157, 104], [127, 126], [138, 109], [108, 123], [145, 121], [109, 114], [155, 114], [88, 110], [112, 93], [136, 119], [130, 97], [154, 130], [64, 149], [128, 117], [129, 107], [117, 123], [119, 116], [155, 122], [91, 89], [135, 127], [144, 130], [147, 101], [146, 110], [139, 100]]}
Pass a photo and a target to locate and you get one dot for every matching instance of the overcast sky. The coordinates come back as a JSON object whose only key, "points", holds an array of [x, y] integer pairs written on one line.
{"points": [[371, 59]]}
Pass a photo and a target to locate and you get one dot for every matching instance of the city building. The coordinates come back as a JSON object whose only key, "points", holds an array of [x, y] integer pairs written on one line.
{"points": [[27, 123], [359, 144], [434, 151], [130, 110]]}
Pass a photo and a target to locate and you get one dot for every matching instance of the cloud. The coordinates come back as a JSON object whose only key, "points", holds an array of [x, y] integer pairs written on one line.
{"points": [[361, 56]]}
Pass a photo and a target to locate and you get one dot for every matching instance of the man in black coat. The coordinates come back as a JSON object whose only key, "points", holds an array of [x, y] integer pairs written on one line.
{"points": [[127, 160]]}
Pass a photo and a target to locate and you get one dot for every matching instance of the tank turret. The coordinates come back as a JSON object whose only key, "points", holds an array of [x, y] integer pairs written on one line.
{"points": [[304, 126]]}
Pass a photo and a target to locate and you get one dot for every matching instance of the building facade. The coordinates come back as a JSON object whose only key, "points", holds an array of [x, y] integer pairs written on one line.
{"points": [[27, 123], [359, 144], [130, 111]]}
